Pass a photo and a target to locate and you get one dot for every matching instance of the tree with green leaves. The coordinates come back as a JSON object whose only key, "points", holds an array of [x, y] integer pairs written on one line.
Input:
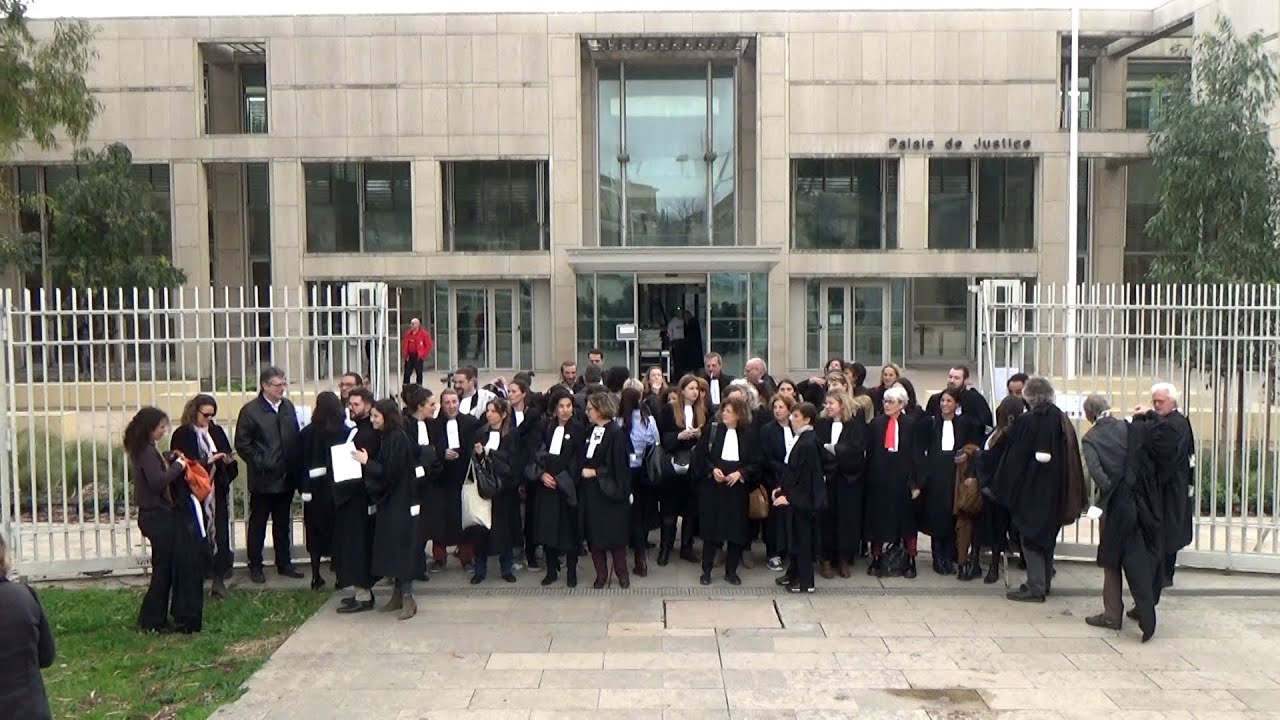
{"points": [[43, 93], [104, 226], [1219, 184]]}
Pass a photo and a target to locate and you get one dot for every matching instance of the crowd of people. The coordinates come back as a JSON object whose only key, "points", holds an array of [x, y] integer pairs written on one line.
{"points": [[819, 474]]}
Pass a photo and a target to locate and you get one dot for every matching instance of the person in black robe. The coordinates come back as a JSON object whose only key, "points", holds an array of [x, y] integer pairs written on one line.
{"points": [[994, 523], [390, 481], [326, 429], [454, 432], [353, 516], [843, 439], [526, 414], [894, 464], [947, 432], [801, 497], [1118, 456], [605, 489], [496, 443], [1041, 481], [558, 465], [200, 438], [1173, 447], [420, 419], [972, 405], [726, 469], [642, 429], [681, 427], [776, 437]]}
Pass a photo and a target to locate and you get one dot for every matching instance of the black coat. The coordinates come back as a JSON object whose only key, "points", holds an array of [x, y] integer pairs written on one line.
{"points": [[26, 646], [1033, 491], [805, 489], [890, 512], [722, 508], [443, 503], [676, 494], [604, 500], [430, 461], [1172, 447], [390, 480], [773, 454], [316, 479], [972, 406], [1132, 510], [267, 441], [555, 512], [723, 381], [352, 524], [843, 472], [184, 441], [504, 530], [938, 481]]}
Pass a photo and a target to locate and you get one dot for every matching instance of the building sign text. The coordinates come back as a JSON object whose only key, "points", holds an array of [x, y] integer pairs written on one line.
{"points": [[919, 144]]}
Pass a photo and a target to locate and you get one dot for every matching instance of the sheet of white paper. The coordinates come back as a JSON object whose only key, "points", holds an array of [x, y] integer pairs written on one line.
{"points": [[557, 440], [419, 472], [451, 431], [423, 439], [1094, 512], [345, 467]]}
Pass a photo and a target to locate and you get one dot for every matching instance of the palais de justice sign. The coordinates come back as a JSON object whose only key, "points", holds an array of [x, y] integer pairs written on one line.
{"points": [[898, 144]]}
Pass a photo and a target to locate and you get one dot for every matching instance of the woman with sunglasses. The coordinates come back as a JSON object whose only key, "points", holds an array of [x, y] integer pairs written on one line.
{"points": [[200, 439]]}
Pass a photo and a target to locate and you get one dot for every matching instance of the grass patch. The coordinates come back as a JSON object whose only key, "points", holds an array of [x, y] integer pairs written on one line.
{"points": [[106, 669]]}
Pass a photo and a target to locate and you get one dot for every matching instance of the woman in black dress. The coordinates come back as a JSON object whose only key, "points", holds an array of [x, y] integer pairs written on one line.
{"points": [[558, 464], [728, 468], [605, 490], [496, 443], [843, 439], [945, 437], [894, 462], [200, 438], [680, 427], [801, 497], [526, 422], [420, 407], [455, 432], [390, 481], [326, 429], [776, 438]]}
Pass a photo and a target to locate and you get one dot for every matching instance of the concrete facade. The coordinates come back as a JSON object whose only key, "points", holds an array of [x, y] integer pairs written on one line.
{"points": [[429, 89]]}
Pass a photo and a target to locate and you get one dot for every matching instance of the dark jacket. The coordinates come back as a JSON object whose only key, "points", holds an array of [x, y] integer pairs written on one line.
{"points": [[154, 478], [267, 441], [390, 481], [722, 508], [184, 441], [26, 646], [1041, 496], [972, 405], [723, 380], [1105, 447], [1172, 447]]}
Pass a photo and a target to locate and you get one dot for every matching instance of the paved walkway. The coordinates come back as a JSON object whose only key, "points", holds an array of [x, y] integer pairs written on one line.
{"points": [[931, 648]]}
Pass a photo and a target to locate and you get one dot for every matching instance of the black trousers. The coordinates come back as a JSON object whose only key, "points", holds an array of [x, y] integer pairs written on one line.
{"points": [[732, 558], [413, 365], [222, 558], [277, 506], [177, 572], [804, 542], [644, 510]]}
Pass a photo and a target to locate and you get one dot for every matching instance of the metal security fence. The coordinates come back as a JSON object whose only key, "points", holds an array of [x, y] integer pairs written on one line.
{"points": [[76, 366], [1218, 344]]}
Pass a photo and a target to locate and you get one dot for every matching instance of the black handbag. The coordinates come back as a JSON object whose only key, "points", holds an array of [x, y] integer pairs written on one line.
{"points": [[488, 484]]}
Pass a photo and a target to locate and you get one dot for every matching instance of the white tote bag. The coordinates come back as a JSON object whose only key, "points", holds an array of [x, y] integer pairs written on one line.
{"points": [[475, 509]]}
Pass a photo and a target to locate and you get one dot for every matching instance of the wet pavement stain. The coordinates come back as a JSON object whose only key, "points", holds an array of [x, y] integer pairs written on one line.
{"points": [[949, 698]]}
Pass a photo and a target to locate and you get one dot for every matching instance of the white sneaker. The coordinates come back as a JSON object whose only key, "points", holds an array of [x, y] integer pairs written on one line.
{"points": [[775, 564]]}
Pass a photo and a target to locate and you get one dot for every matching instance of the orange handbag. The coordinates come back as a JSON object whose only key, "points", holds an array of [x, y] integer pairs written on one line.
{"points": [[198, 478]]}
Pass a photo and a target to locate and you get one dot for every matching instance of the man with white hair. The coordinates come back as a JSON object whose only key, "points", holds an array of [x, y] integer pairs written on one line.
{"points": [[1172, 447], [757, 373]]}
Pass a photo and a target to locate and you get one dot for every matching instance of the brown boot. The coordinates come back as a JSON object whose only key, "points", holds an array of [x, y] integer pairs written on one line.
{"points": [[641, 568], [826, 570], [394, 603], [409, 609], [844, 569]]}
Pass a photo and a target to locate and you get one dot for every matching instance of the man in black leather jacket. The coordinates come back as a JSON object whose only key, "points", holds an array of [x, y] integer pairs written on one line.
{"points": [[267, 439]]}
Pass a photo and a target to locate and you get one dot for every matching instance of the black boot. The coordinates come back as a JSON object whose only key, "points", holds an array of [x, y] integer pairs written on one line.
{"points": [[571, 571], [667, 540], [876, 568], [911, 569], [686, 540], [553, 570], [993, 573]]}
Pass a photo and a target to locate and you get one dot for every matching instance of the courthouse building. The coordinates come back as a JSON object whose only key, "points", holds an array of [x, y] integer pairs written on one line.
{"points": [[802, 184]]}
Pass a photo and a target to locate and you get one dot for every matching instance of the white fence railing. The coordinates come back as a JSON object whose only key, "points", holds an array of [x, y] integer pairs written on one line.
{"points": [[1218, 344], [76, 366]]}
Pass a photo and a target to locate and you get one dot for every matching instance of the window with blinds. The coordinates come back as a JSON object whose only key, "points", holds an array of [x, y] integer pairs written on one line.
{"points": [[359, 207], [982, 203], [845, 203], [496, 206]]}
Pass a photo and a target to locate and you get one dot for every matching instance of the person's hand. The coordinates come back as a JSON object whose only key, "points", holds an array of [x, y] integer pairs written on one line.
{"points": [[479, 449], [216, 458], [818, 380], [361, 455], [1140, 409], [228, 458], [588, 473], [306, 497], [180, 460], [915, 493], [970, 481], [959, 458], [733, 478], [685, 434], [773, 494], [549, 481], [719, 476], [450, 454], [781, 501]]}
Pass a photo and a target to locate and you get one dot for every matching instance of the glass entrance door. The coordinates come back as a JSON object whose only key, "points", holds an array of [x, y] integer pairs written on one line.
{"points": [[855, 323], [485, 326]]}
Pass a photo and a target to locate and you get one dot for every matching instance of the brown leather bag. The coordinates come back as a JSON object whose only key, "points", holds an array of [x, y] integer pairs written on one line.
{"points": [[968, 497], [758, 504]]}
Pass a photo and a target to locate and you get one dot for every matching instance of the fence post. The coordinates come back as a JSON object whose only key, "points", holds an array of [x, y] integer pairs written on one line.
{"points": [[8, 463]]}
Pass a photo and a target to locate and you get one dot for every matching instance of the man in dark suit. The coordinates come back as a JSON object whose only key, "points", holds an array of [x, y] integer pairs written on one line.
{"points": [[717, 380], [1173, 449], [267, 439], [972, 404]]}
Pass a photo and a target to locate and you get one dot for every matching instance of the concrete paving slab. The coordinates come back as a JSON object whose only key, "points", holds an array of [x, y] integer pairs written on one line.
{"points": [[717, 614]]}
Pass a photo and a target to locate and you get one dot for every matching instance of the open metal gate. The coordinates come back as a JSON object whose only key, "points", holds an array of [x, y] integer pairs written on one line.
{"points": [[1218, 344], [76, 366]]}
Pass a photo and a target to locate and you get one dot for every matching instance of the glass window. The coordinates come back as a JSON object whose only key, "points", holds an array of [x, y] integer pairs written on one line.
{"points": [[813, 324], [1086, 88], [615, 299], [940, 318], [729, 322], [586, 315], [845, 204], [950, 204], [388, 207], [667, 147], [526, 323], [496, 206], [759, 335], [1140, 102], [354, 207], [157, 178], [253, 83], [1084, 228], [258, 206], [1142, 202], [1006, 204], [443, 333]]}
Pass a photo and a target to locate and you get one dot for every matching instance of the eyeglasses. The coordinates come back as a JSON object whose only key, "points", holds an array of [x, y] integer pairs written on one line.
{"points": [[206, 415]]}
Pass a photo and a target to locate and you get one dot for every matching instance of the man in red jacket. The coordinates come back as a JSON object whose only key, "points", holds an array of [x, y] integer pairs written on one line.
{"points": [[417, 346]]}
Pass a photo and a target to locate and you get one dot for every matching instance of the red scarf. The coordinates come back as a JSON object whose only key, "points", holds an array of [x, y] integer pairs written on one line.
{"points": [[891, 434]]}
